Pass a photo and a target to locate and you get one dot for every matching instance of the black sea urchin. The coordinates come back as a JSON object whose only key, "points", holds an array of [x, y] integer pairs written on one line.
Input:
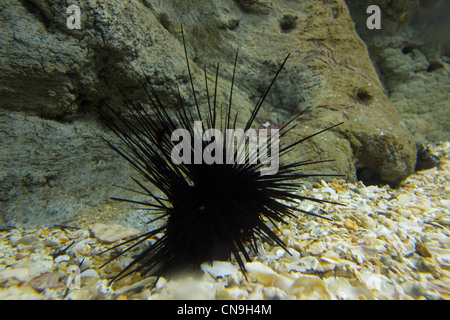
{"points": [[213, 209]]}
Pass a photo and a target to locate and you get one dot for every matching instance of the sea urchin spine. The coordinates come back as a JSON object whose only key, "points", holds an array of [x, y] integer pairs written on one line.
{"points": [[212, 210]]}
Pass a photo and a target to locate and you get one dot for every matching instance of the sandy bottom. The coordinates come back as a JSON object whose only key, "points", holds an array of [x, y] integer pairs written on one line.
{"points": [[383, 244]]}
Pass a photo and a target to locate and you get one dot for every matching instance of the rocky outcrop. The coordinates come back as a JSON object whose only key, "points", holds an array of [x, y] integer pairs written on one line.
{"points": [[55, 166], [412, 55]]}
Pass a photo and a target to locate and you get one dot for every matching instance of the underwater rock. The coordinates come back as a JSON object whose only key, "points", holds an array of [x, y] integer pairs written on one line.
{"points": [[55, 165], [411, 52]]}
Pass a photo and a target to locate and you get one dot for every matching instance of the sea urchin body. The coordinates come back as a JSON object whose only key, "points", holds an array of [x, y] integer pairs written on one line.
{"points": [[213, 210]]}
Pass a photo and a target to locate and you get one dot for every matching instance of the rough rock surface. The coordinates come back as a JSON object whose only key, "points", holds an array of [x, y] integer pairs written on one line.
{"points": [[412, 55], [54, 166]]}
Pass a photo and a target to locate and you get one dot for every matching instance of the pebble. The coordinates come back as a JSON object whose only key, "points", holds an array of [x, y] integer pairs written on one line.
{"points": [[367, 222], [112, 233], [51, 243], [47, 281], [89, 273], [422, 250], [266, 275], [309, 263], [20, 274], [319, 232], [61, 258], [233, 293], [220, 268], [26, 240], [311, 288], [141, 284], [316, 248], [350, 224]]}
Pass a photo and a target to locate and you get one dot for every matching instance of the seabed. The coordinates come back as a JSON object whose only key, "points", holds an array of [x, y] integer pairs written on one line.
{"points": [[383, 244]]}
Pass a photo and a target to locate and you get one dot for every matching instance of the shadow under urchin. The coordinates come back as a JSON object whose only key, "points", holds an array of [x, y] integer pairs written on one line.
{"points": [[212, 211]]}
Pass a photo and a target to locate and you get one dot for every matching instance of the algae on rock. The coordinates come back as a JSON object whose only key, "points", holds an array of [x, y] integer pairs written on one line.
{"points": [[55, 164]]}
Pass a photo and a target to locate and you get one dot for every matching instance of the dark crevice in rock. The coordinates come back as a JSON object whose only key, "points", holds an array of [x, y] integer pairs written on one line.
{"points": [[371, 177], [288, 23]]}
